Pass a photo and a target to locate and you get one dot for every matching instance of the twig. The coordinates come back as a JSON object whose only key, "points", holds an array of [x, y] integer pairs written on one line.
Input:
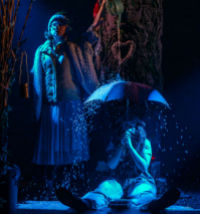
{"points": [[25, 23], [8, 57]]}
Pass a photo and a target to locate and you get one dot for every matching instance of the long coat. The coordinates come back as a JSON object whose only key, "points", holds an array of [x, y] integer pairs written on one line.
{"points": [[62, 138], [82, 59]]}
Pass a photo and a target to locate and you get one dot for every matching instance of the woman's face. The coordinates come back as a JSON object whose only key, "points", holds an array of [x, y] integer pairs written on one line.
{"points": [[58, 29]]}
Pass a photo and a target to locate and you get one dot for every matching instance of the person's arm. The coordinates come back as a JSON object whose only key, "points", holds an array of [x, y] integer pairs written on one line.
{"points": [[143, 159], [91, 35], [97, 18]]}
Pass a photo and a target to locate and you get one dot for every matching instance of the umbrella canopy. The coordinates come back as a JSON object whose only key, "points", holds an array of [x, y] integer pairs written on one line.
{"points": [[132, 92]]}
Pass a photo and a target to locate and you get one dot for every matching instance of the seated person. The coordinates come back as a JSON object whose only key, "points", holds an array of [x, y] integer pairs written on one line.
{"points": [[125, 176]]}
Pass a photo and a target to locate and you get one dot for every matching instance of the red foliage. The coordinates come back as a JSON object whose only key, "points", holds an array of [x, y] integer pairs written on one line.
{"points": [[96, 9]]}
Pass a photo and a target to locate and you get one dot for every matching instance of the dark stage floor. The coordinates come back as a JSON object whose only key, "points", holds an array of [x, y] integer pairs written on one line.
{"points": [[52, 207], [189, 202]]}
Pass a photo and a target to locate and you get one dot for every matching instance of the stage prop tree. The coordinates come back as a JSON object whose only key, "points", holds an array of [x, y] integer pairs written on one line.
{"points": [[130, 41]]}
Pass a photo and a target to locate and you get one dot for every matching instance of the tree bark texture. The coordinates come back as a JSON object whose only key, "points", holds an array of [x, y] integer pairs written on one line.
{"points": [[130, 41]]}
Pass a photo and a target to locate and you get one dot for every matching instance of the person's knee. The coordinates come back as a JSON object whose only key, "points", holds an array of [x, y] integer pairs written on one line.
{"points": [[111, 189]]}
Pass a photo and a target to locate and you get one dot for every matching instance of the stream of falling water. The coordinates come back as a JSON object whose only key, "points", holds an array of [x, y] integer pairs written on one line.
{"points": [[118, 41]]}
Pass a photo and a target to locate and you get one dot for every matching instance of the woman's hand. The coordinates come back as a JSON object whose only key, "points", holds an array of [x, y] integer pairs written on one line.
{"points": [[129, 134]]}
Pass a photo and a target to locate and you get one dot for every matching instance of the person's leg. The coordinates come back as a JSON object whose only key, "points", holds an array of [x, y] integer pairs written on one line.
{"points": [[97, 199], [142, 194], [167, 199], [67, 198], [107, 191]]}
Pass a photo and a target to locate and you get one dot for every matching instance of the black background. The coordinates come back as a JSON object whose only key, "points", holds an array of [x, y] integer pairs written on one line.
{"points": [[180, 65]]}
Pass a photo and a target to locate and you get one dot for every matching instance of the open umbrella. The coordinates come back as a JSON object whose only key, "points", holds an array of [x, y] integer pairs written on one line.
{"points": [[132, 92], [124, 99], [115, 103]]}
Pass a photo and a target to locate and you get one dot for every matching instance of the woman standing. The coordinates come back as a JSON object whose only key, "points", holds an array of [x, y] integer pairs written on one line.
{"points": [[64, 75]]}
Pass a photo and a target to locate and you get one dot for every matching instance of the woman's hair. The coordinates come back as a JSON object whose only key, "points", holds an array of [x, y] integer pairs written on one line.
{"points": [[120, 129], [134, 123]]}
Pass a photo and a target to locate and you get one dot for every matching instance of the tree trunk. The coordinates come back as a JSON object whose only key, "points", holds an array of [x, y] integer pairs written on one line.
{"points": [[133, 47]]}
